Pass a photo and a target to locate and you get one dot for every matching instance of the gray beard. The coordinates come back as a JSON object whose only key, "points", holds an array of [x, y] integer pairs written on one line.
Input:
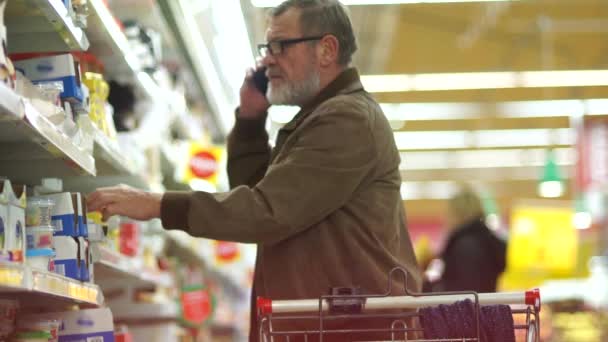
{"points": [[295, 94]]}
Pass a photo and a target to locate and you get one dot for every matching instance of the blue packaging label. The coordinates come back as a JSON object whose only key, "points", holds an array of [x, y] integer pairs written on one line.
{"points": [[30, 242], [65, 225], [83, 230], [68, 268], [106, 336], [19, 234]]}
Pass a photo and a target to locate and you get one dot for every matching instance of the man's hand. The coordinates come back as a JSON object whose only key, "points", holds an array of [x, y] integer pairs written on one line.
{"points": [[253, 103], [125, 201]]}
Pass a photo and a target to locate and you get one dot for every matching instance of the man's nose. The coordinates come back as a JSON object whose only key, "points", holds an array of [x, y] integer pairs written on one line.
{"points": [[268, 60]]}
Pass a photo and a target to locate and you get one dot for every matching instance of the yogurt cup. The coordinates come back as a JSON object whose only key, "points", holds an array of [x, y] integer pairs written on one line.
{"points": [[39, 237], [39, 258], [38, 212]]}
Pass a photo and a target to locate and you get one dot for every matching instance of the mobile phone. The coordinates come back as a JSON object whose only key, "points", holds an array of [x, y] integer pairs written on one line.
{"points": [[260, 80]]}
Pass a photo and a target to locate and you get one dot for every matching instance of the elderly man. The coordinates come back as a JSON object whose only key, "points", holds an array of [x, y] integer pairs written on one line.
{"points": [[323, 205]]}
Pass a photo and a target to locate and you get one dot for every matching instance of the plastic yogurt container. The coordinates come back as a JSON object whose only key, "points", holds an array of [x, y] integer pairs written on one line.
{"points": [[38, 212], [39, 258], [39, 237]]}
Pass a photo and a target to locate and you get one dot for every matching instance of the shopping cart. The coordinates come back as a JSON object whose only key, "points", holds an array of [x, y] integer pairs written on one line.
{"points": [[347, 304]]}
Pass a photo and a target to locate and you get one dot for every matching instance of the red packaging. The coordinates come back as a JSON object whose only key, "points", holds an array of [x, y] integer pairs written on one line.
{"points": [[129, 238]]}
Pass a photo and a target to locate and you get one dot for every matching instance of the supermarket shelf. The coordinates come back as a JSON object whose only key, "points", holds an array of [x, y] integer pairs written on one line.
{"points": [[126, 312], [42, 26], [176, 245], [45, 288], [110, 44], [32, 147], [116, 269], [108, 158]]}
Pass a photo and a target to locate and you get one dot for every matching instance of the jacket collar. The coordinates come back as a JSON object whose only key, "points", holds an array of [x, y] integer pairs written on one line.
{"points": [[347, 82]]}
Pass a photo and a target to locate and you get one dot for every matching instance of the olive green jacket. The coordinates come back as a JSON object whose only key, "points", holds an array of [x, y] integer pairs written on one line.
{"points": [[323, 206]]}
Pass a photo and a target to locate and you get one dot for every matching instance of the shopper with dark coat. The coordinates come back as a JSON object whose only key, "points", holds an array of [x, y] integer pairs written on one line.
{"points": [[473, 257]]}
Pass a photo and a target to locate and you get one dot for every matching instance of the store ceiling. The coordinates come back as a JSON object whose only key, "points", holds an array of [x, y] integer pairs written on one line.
{"points": [[478, 37]]}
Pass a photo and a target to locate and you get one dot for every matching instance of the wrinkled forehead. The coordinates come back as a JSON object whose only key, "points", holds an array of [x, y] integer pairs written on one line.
{"points": [[286, 25]]}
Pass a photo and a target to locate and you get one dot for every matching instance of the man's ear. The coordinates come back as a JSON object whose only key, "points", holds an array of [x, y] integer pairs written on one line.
{"points": [[328, 50]]}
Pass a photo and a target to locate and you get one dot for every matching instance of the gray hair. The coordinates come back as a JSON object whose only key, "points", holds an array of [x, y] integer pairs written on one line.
{"points": [[324, 17]]}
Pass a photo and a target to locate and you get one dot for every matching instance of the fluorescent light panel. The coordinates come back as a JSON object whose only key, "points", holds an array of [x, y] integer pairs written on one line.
{"points": [[480, 159], [432, 140], [428, 190], [484, 80], [512, 109], [273, 3]]}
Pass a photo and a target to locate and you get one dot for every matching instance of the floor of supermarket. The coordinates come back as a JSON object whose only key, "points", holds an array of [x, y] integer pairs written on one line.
{"points": [[499, 113]]}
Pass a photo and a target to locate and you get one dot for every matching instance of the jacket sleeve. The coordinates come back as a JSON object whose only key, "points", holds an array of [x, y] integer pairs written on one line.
{"points": [[248, 152], [320, 174]]}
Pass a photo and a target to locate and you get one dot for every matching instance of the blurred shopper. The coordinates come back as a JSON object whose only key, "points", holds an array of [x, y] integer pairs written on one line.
{"points": [[324, 205], [473, 257]]}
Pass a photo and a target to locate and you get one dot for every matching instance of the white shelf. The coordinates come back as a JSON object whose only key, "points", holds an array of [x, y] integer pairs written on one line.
{"points": [[109, 159], [42, 26], [31, 147], [126, 311], [116, 269], [37, 287], [110, 44]]}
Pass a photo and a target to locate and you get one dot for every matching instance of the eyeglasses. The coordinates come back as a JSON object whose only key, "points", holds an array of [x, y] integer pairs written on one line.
{"points": [[276, 47]]}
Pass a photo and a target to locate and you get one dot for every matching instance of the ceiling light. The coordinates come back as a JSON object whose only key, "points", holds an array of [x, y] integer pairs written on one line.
{"points": [[483, 159], [273, 3], [551, 184], [510, 109], [483, 80], [435, 140]]}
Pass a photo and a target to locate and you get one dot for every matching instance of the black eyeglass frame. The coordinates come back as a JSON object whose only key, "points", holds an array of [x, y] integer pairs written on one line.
{"points": [[279, 45]]}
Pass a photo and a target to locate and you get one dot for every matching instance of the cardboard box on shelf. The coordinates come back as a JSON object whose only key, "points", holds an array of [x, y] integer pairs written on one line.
{"points": [[67, 214], [14, 226], [67, 260], [81, 325], [62, 67]]}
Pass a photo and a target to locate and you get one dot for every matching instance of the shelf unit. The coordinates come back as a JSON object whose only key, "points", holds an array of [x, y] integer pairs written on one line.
{"points": [[115, 268], [32, 147], [42, 26], [111, 45], [37, 287]]}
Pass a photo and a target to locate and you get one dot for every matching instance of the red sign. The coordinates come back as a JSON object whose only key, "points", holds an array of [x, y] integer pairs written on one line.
{"points": [[592, 153], [196, 306], [203, 164]]}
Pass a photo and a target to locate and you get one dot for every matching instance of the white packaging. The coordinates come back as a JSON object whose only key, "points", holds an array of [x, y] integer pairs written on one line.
{"points": [[14, 226], [54, 68], [67, 261], [81, 325]]}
